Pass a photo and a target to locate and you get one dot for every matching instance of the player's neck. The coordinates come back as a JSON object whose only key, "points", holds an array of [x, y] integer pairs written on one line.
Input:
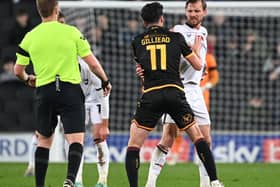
{"points": [[153, 25], [193, 26]]}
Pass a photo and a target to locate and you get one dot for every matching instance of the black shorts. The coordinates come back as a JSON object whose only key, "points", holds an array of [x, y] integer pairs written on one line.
{"points": [[167, 100], [68, 103]]}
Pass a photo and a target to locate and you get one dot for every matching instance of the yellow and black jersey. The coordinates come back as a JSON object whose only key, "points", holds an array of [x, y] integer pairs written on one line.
{"points": [[158, 51]]}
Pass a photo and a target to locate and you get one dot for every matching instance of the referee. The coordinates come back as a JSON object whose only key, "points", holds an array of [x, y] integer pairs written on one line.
{"points": [[53, 49]]}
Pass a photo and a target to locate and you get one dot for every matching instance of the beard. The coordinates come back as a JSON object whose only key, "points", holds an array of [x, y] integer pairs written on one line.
{"points": [[194, 22]]}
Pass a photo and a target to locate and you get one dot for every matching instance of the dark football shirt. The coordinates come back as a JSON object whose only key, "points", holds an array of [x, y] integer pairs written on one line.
{"points": [[158, 51]]}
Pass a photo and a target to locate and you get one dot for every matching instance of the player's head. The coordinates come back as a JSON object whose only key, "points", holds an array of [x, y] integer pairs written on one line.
{"points": [[195, 12], [152, 13], [61, 17], [47, 8]]}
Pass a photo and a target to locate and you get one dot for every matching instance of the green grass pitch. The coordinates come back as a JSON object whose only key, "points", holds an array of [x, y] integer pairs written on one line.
{"points": [[180, 175]]}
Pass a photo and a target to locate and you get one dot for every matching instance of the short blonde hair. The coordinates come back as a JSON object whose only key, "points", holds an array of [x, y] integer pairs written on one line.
{"points": [[46, 7]]}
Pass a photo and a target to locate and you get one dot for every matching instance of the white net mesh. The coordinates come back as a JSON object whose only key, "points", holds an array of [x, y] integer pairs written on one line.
{"points": [[247, 50]]}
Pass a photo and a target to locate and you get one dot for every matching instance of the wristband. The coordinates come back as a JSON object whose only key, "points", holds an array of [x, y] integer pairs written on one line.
{"points": [[105, 83]]}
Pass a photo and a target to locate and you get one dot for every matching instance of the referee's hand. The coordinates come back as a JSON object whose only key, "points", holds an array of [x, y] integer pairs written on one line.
{"points": [[31, 80], [107, 89]]}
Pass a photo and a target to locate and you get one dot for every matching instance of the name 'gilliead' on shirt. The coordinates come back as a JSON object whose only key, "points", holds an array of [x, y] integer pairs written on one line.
{"points": [[155, 39]]}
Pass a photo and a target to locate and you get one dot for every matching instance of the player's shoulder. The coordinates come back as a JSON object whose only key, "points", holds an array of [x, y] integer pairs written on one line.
{"points": [[136, 39], [177, 31], [140, 36], [179, 27]]}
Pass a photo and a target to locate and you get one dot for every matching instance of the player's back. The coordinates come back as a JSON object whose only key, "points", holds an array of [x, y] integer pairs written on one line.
{"points": [[158, 51]]}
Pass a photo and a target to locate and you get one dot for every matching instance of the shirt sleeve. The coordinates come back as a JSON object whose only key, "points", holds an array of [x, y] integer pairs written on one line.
{"points": [[23, 56], [185, 49], [83, 47]]}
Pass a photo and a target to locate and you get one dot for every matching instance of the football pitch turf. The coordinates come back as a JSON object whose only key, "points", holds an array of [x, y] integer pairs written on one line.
{"points": [[180, 175]]}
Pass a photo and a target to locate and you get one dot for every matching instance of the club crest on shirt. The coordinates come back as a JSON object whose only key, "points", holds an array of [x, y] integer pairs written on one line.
{"points": [[187, 118]]}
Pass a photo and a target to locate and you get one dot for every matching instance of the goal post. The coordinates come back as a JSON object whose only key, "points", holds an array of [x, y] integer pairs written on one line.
{"points": [[245, 105]]}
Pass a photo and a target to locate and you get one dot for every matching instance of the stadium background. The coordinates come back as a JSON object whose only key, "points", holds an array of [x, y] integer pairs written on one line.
{"points": [[245, 105]]}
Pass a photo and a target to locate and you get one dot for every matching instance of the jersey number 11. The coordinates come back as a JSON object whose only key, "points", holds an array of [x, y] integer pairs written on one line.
{"points": [[153, 51]]}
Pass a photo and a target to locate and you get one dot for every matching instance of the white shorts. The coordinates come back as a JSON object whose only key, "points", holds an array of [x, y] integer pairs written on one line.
{"points": [[196, 101], [96, 111]]}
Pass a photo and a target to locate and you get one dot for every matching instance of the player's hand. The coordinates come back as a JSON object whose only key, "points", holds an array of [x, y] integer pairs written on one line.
{"points": [[139, 71], [31, 80], [197, 45], [104, 132]]}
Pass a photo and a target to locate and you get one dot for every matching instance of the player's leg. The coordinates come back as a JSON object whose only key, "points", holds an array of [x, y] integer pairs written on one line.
{"points": [[132, 161], [196, 101], [184, 118], [148, 112], [99, 115], [204, 153], [176, 148], [103, 155], [30, 168], [160, 153], [203, 175]]}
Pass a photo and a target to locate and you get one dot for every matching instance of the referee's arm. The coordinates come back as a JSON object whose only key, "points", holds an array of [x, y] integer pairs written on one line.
{"points": [[97, 69], [23, 59]]}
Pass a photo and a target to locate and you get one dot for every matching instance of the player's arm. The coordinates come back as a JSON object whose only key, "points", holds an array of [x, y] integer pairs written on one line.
{"points": [[192, 54]]}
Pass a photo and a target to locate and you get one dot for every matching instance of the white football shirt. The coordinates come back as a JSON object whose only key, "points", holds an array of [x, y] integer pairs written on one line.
{"points": [[188, 73]]}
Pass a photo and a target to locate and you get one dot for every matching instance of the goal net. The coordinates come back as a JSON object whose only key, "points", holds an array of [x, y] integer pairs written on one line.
{"points": [[245, 104]]}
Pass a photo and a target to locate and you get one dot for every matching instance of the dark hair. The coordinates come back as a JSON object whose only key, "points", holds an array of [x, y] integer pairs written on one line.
{"points": [[60, 15], [46, 7], [204, 4], [21, 12], [151, 12]]}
